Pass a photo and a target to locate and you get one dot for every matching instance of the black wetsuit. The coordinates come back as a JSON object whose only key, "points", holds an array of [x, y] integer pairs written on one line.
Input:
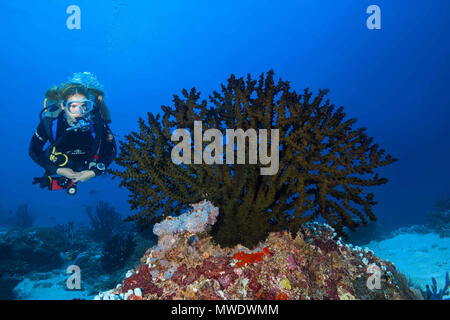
{"points": [[77, 144]]}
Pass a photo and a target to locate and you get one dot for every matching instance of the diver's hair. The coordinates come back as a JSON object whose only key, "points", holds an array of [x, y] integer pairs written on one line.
{"points": [[75, 89]]}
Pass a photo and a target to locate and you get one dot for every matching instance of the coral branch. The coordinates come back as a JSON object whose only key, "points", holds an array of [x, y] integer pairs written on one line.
{"points": [[325, 166]]}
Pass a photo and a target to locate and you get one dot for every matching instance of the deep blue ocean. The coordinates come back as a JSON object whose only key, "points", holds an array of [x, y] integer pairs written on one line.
{"points": [[394, 80]]}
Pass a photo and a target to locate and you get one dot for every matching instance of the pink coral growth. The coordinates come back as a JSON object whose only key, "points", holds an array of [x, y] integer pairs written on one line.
{"points": [[141, 279], [291, 263]]}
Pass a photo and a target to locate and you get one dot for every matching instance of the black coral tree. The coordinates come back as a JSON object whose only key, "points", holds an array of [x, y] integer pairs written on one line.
{"points": [[325, 165]]}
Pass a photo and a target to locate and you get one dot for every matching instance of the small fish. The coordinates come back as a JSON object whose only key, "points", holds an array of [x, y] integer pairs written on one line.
{"points": [[93, 192], [65, 257]]}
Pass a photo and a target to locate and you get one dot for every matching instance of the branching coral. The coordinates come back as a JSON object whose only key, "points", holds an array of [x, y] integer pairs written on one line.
{"points": [[434, 294], [325, 166], [116, 251], [443, 205], [23, 218], [105, 221], [68, 229]]}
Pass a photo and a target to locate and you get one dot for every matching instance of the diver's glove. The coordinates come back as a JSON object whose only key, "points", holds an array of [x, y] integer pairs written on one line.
{"points": [[44, 182]]}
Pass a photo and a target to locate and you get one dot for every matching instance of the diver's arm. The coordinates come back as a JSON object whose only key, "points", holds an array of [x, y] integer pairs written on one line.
{"points": [[84, 176], [68, 173], [37, 154], [108, 148]]}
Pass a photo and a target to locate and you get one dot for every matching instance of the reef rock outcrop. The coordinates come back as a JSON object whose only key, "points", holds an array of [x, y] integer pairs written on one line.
{"points": [[186, 264]]}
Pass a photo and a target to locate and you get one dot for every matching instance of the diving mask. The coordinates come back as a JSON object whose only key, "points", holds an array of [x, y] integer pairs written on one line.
{"points": [[79, 107]]}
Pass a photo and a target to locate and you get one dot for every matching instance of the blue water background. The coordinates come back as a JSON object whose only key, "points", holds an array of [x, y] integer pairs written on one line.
{"points": [[394, 80]]}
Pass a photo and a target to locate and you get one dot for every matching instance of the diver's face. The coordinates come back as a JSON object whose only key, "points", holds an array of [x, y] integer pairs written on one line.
{"points": [[74, 109]]}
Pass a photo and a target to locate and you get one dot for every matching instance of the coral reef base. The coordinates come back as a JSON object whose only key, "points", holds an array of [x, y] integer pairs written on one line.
{"points": [[315, 264]]}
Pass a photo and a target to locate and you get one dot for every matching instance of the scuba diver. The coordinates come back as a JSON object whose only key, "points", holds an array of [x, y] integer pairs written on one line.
{"points": [[81, 144]]}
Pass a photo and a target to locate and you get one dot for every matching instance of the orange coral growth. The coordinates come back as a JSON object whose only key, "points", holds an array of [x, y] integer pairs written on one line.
{"points": [[281, 296], [249, 258], [135, 297]]}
